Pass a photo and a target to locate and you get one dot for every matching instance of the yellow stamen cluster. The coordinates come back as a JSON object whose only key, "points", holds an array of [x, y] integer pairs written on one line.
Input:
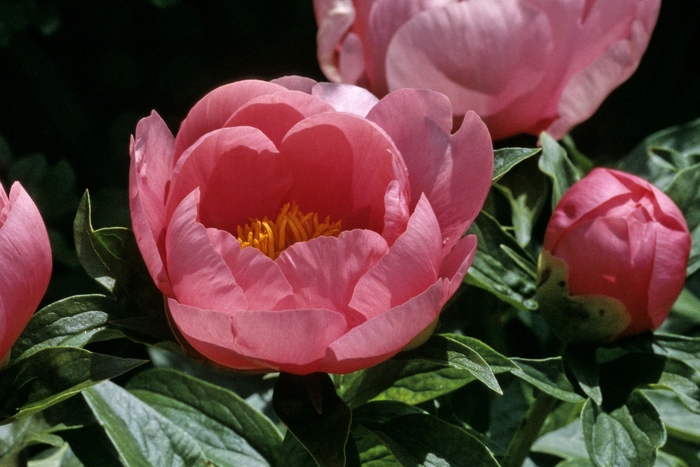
{"points": [[291, 226]]}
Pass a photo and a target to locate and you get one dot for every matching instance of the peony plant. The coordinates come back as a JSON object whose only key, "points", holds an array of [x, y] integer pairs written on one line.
{"points": [[614, 259], [307, 227], [524, 66], [25, 264]]}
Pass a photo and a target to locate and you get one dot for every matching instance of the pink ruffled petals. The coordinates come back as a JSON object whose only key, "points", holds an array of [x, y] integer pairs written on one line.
{"points": [[411, 266], [334, 19], [287, 107], [149, 183], [260, 278], [212, 111], [240, 176], [198, 274], [341, 165], [456, 184], [385, 334], [456, 263], [296, 83], [324, 271]]}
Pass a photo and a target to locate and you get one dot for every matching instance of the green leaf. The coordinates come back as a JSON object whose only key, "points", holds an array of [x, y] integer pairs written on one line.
{"points": [[373, 452], [526, 192], [629, 435], [141, 435], [688, 305], [15, 437], [61, 456], [312, 411], [566, 442], [684, 381], [52, 375], [680, 422], [681, 348], [449, 352], [424, 440], [558, 167], [495, 270], [684, 190], [227, 429], [507, 158], [112, 258], [548, 375], [71, 322], [408, 381], [662, 154]]}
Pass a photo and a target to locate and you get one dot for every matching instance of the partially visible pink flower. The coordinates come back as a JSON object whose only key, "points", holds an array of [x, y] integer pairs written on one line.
{"points": [[614, 258], [25, 263], [523, 66], [302, 227]]}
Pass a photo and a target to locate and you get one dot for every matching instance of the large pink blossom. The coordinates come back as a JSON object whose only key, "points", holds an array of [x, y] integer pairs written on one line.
{"points": [[523, 65], [375, 197], [25, 263], [619, 247]]}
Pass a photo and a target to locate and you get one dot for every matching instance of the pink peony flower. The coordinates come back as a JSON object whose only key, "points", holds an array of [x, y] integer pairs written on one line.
{"points": [[305, 227], [25, 264], [524, 66], [614, 258]]}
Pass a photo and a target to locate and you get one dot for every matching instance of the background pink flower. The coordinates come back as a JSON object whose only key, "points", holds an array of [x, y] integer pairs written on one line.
{"points": [[618, 242], [354, 209], [25, 263], [524, 66]]}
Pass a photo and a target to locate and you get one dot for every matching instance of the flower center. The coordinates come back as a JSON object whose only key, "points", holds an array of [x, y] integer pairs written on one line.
{"points": [[291, 226]]}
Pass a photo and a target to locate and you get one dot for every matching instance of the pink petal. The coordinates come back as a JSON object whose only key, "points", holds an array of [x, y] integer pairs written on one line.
{"points": [[296, 83], [198, 275], [411, 266], [346, 97], [385, 18], [452, 50], [454, 172], [341, 166], [586, 90], [212, 111], [25, 263], [292, 340], [260, 278], [324, 271], [385, 334], [334, 18], [456, 263], [351, 59], [275, 114], [240, 176], [149, 182]]}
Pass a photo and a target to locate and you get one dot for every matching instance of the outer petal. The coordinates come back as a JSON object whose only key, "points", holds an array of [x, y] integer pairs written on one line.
{"points": [[411, 266], [452, 50], [296, 83], [334, 18], [587, 89], [212, 111], [292, 340], [346, 98], [385, 334], [240, 176], [341, 166], [324, 271], [454, 172], [25, 263], [149, 181], [261, 279], [198, 274]]}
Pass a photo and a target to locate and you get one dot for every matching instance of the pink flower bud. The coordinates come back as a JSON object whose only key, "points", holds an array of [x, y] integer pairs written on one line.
{"points": [[523, 66], [614, 259], [25, 264]]}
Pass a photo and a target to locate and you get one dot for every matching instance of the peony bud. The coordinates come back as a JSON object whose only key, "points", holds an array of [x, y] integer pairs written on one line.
{"points": [[25, 264], [614, 259]]}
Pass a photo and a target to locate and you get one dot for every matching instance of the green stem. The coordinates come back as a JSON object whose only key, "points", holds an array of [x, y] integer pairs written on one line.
{"points": [[529, 429]]}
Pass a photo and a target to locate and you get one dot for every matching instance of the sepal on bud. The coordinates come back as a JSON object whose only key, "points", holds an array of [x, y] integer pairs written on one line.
{"points": [[592, 319]]}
